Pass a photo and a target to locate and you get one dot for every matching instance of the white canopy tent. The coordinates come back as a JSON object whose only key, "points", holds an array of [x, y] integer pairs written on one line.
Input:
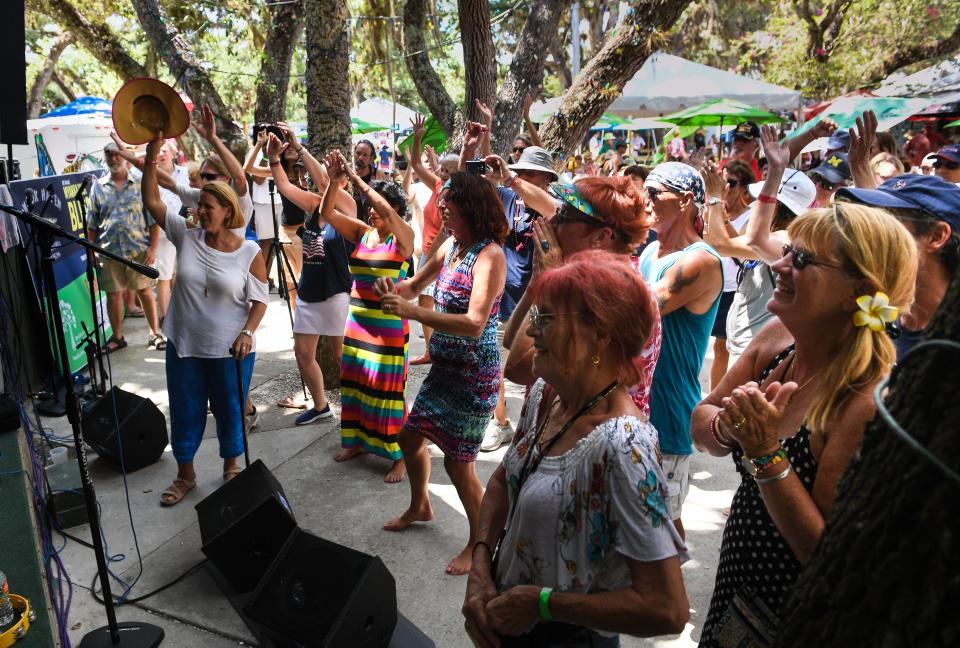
{"points": [[380, 111], [937, 81], [667, 83]]}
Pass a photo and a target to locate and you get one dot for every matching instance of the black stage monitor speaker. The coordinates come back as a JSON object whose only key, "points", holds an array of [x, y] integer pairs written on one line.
{"points": [[320, 594], [244, 524], [13, 73], [143, 429]]}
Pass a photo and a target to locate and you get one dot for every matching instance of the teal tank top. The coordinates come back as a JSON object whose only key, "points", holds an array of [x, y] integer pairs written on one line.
{"points": [[676, 380]]}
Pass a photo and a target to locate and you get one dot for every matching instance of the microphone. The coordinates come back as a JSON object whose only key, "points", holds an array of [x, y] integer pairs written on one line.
{"points": [[47, 203], [85, 185]]}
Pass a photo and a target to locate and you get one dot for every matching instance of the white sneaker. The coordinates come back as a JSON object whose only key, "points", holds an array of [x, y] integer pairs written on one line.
{"points": [[496, 435]]}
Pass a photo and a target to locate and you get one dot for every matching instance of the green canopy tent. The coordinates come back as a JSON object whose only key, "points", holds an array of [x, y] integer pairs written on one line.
{"points": [[432, 135], [610, 122], [720, 112], [890, 111], [361, 127], [953, 124]]}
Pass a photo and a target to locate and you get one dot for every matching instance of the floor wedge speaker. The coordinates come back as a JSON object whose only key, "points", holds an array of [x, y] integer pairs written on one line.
{"points": [[244, 525], [320, 594], [139, 439]]}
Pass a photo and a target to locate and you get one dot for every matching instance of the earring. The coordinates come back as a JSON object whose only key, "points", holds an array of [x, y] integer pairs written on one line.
{"points": [[596, 359]]}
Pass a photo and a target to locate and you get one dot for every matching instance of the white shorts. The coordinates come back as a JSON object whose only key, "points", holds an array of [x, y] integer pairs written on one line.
{"points": [[677, 470], [263, 220], [328, 317], [428, 291], [166, 262]]}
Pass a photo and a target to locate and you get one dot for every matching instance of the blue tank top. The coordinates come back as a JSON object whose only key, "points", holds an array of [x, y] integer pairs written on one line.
{"points": [[326, 255], [676, 380]]}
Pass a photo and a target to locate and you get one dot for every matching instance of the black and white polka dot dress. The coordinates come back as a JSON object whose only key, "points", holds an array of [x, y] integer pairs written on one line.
{"points": [[753, 554]]}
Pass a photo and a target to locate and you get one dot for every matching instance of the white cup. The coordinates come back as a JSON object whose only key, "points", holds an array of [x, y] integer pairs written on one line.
{"points": [[58, 455]]}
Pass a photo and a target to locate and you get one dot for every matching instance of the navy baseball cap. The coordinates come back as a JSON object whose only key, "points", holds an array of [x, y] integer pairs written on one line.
{"points": [[839, 141], [950, 152], [929, 194], [746, 130], [834, 169]]}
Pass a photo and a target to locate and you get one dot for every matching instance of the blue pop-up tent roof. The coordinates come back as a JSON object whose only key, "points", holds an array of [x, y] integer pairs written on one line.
{"points": [[82, 106]]}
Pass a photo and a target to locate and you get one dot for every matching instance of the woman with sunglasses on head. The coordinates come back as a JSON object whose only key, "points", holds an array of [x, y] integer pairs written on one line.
{"points": [[459, 394], [782, 196], [577, 512], [792, 410]]}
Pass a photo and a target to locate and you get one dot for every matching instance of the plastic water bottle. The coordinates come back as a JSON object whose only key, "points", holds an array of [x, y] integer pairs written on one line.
{"points": [[6, 607]]}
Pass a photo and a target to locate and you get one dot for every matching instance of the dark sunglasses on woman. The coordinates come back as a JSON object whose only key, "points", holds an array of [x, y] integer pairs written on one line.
{"points": [[801, 258], [210, 177]]}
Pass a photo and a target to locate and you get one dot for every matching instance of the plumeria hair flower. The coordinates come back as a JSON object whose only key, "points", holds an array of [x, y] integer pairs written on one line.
{"points": [[875, 312]]}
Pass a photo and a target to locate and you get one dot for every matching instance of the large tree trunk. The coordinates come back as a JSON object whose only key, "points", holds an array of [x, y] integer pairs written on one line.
{"points": [[45, 74], [425, 78], [886, 571], [64, 87], [526, 70], [97, 38], [286, 26], [186, 68], [479, 57], [602, 79]]}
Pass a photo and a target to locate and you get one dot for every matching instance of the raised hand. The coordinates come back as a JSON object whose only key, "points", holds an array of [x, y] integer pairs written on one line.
{"points": [[275, 147], [418, 126], [335, 166], [207, 126], [546, 250], [288, 133], [262, 137], [777, 153], [153, 147], [499, 170], [474, 131], [712, 178], [823, 128], [862, 138], [486, 111], [527, 102]]}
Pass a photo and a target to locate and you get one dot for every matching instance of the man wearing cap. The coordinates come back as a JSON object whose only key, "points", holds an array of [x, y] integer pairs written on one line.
{"points": [[116, 222], [947, 164], [686, 277], [833, 173], [746, 145], [838, 142], [930, 208]]}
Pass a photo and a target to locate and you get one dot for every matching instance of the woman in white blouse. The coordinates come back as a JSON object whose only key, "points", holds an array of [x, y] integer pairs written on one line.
{"points": [[587, 547], [217, 304]]}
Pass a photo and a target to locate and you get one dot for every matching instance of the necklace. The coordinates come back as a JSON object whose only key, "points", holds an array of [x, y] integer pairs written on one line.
{"points": [[793, 375]]}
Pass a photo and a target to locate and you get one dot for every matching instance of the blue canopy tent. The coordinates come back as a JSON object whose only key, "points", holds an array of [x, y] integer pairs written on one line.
{"points": [[82, 106]]}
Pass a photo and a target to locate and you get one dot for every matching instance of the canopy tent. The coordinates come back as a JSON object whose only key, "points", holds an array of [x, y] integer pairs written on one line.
{"points": [[953, 124], [890, 111], [432, 135], [669, 83], [813, 110], [380, 111], [82, 106], [934, 81], [718, 112], [361, 127]]}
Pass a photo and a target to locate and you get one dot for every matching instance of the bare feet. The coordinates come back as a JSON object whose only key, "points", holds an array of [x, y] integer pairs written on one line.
{"points": [[461, 563], [422, 360], [346, 454], [396, 473], [411, 515]]}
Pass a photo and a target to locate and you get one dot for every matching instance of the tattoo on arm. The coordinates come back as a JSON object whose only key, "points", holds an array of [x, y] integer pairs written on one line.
{"points": [[680, 281]]}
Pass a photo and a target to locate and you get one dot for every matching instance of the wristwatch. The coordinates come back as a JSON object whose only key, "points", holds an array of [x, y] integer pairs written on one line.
{"points": [[753, 465], [508, 183], [247, 332], [713, 200]]}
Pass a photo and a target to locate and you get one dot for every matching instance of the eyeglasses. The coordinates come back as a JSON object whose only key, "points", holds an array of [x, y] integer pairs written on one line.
{"points": [[733, 183], [211, 177], [519, 149], [543, 320], [654, 194], [947, 164], [802, 258]]}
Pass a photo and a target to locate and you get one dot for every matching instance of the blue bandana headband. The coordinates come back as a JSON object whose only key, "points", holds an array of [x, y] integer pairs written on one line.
{"points": [[569, 194], [679, 177]]}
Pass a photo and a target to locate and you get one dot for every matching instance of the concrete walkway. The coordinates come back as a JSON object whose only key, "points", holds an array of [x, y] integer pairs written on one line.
{"points": [[346, 503]]}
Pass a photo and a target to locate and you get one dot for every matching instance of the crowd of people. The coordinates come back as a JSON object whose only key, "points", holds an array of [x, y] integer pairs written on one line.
{"points": [[596, 286]]}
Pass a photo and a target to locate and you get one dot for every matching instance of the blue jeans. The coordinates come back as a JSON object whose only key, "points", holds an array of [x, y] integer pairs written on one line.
{"points": [[191, 383]]}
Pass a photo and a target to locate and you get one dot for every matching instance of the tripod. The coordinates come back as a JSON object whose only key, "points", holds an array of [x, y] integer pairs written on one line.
{"points": [[129, 634], [283, 266]]}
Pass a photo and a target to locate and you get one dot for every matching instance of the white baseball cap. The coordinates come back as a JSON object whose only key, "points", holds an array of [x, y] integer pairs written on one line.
{"points": [[797, 191]]}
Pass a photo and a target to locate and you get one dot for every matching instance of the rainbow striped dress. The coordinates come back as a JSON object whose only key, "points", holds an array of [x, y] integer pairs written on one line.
{"points": [[374, 371]]}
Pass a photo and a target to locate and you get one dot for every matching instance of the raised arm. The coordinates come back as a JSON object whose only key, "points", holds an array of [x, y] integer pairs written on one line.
{"points": [[426, 175], [318, 173], [768, 245], [305, 200], [528, 123], [251, 165], [396, 225], [148, 185], [207, 129], [487, 113], [718, 232], [533, 196], [350, 228], [861, 141], [471, 144], [823, 128]]}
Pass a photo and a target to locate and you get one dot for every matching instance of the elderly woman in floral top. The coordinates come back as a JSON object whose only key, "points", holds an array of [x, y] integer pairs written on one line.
{"points": [[587, 548]]}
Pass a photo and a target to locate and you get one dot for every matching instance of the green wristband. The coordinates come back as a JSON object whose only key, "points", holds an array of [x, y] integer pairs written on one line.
{"points": [[544, 604]]}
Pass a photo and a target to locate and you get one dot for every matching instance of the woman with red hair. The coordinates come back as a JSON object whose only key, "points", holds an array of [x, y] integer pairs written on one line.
{"points": [[587, 546]]}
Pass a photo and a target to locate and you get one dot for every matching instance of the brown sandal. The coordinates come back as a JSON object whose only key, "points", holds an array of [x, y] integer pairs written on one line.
{"points": [[176, 491]]}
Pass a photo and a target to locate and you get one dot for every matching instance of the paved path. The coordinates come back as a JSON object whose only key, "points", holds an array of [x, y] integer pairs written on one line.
{"points": [[346, 503]]}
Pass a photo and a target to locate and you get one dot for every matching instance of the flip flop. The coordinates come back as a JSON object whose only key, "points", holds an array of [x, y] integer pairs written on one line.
{"points": [[291, 403], [176, 491], [114, 344]]}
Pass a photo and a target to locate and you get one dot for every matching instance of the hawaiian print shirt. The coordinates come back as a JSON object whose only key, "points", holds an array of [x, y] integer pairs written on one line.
{"points": [[118, 218]]}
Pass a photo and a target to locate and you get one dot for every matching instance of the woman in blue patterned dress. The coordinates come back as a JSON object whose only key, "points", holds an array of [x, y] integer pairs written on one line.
{"points": [[459, 394]]}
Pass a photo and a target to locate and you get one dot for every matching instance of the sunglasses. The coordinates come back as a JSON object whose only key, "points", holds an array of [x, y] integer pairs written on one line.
{"points": [[211, 177], [952, 166], [826, 184], [802, 258], [654, 194], [733, 183], [519, 149], [543, 320], [570, 214]]}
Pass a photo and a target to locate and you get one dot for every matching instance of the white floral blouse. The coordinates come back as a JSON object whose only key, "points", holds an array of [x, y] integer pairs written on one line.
{"points": [[582, 513]]}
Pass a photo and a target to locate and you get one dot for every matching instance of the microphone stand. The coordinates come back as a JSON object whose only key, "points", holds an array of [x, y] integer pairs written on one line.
{"points": [[97, 349], [134, 634]]}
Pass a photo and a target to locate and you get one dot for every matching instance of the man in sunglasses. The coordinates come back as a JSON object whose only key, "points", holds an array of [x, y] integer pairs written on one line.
{"points": [[947, 164], [746, 145], [832, 174], [519, 146]]}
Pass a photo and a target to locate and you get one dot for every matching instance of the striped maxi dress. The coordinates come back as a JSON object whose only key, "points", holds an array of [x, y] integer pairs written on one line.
{"points": [[374, 370]]}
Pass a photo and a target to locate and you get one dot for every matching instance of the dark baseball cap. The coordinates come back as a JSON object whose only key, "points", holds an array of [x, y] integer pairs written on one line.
{"points": [[746, 130], [834, 169], [950, 152], [839, 141], [932, 195]]}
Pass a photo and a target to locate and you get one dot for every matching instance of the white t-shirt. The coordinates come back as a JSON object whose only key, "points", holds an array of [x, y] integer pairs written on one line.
{"points": [[212, 296], [730, 268], [191, 198]]}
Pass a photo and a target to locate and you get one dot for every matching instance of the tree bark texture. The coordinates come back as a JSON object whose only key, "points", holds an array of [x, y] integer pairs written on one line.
{"points": [[425, 78], [64, 87], [286, 26], [479, 57], [97, 38], [45, 74], [327, 76], [525, 74], [186, 69], [329, 364], [603, 77], [886, 571]]}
